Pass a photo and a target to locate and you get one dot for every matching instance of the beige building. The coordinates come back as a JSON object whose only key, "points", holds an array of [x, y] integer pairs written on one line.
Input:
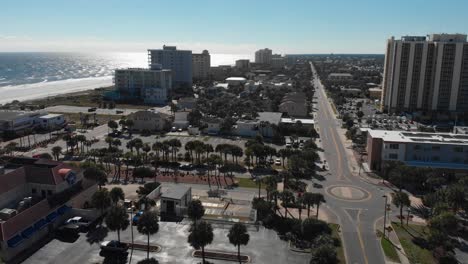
{"points": [[294, 104], [201, 64], [149, 120], [263, 56], [426, 73]]}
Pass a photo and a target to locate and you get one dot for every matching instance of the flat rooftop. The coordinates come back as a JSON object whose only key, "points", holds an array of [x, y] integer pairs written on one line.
{"points": [[295, 120], [176, 192], [419, 137]]}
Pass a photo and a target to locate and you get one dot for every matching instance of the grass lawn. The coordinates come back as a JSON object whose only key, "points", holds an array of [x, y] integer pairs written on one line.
{"points": [[414, 253], [339, 249], [389, 250], [248, 183]]}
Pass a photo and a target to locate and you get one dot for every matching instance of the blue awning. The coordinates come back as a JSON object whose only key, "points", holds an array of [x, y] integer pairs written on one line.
{"points": [[15, 241], [40, 224], [62, 210], [27, 233], [52, 216]]}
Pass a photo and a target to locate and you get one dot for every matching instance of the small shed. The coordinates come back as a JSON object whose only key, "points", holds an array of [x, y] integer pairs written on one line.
{"points": [[174, 201]]}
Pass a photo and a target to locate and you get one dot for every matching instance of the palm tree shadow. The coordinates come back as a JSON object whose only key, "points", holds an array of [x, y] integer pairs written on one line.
{"points": [[97, 235]]}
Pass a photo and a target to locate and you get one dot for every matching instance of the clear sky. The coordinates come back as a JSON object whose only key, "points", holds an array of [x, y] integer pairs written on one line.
{"points": [[223, 26]]}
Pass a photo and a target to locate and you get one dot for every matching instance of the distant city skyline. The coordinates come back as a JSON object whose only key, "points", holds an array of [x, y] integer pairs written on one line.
{"points": [[228, 27]]}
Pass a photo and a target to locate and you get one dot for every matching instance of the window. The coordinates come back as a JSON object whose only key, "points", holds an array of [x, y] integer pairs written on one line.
{"points": [[394, 146], [33, 191], [417, 147], [49, 192], [458, 149], [435, 158], [393, 156], [436, 148]]}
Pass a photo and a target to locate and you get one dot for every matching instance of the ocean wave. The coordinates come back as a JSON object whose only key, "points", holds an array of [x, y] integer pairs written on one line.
{"points": [[44, 89]]}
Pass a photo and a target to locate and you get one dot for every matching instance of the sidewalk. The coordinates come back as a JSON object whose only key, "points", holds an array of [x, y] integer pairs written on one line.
{"points": [[392, 236]]}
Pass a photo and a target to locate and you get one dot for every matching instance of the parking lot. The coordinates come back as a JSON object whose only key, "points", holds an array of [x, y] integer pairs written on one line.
{"points": [[264, 247]]}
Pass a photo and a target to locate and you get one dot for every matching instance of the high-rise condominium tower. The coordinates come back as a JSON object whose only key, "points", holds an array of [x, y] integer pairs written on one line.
{"points": [[426, 73]]}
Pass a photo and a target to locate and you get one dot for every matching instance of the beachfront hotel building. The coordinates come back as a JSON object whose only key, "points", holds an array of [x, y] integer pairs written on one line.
{"points": [[153, 86], [426, 74], [201, 64], [178, 61], [417, 149], [263, 56]]}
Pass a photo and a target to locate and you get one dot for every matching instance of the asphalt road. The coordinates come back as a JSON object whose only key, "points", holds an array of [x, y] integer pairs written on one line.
{"points": [[359, 204]]}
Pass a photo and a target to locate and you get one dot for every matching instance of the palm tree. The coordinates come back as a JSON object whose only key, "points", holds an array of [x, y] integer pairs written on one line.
{"points": [[116, 194], [117, 219], [308, 199], [201, 235], [129, 123], [456, 198], [401, 199], [148, 261], [238, 236], [271, 185], [113, 125], [287, 197], [101, 200], [195, 210], [148, 225], [318, 199], [56, 151], [95, 173]]}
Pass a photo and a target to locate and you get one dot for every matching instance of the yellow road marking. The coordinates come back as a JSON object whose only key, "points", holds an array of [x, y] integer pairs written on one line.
{"points": [[360, 237]]}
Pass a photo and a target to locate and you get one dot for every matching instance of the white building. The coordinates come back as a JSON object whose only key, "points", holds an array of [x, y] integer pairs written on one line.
{"points": [[417, 149], [236, 81], [179, 61], [201, 64], [263, 56], [151, 85], [51, 121], [426, 74]]}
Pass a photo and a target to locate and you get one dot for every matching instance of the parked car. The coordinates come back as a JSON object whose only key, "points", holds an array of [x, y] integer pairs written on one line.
{"points": [[114, 246], [92, 109], [68, 230], [82, 223]]}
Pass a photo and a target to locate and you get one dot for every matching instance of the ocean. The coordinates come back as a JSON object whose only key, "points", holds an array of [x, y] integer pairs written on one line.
{"points": [[31, 75]]}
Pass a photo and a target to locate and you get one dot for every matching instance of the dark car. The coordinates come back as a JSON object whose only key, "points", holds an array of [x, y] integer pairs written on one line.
{"points": [[136, 217], [114, 245]]}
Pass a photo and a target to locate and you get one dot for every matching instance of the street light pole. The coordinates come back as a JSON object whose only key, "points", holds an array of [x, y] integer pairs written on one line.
{"points": [[385, 215]]}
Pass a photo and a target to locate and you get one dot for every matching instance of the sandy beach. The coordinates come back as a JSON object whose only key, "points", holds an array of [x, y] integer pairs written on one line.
{"points": [[45, 89]]}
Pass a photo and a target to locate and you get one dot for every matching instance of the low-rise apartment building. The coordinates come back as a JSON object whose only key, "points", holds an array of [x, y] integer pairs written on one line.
{"points": [[34, 199], [149, 120], [340, 77], [437, 150]]}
